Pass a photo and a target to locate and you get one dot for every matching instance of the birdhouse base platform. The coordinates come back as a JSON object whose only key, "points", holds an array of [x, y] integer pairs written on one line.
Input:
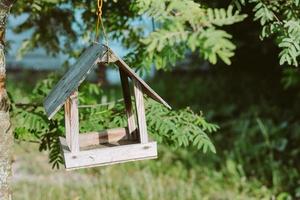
{"points": [[92, 155]]}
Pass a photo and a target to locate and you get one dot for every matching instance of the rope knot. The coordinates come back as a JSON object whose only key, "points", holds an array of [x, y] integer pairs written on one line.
{"points": [[100, 22], [99, 9]]}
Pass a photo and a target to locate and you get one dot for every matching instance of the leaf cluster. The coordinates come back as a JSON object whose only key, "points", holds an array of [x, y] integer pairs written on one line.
{"points": [[180, 128], [279, 20], [187, 26]]}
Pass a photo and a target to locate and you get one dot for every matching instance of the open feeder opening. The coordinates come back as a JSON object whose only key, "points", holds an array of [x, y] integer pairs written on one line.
{"points": [[108, 146], [110, 137]]}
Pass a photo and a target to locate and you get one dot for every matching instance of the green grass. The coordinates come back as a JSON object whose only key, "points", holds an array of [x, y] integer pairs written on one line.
{"points": [[165, 178], [246, 166]]}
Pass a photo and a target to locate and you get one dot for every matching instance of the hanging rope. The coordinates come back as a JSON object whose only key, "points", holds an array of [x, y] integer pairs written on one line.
{"points": [[100, 23]]}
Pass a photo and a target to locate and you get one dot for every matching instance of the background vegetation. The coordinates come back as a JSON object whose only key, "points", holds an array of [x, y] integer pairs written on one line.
{"points": [[254, 101]]}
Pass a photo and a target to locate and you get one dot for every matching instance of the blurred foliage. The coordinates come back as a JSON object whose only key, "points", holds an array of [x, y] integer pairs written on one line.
{"points": [[180, 128], [290, 78], [258, 119], [166, 178], [258, 115], [178, 27], [188, 26], [182, 26], [279, 20]]}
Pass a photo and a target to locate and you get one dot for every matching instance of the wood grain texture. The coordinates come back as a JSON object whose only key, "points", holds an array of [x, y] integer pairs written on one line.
{"points": [[72, 79], [132, 128], [107, 155], [108, 57], [145, 87], [73, 118], [102, 137], [78, 72], [140, 111], [6, 130], [67, 122]]}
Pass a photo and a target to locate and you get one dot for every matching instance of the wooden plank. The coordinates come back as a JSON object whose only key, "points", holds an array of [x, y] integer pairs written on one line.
{"points": [[74, 123], [78, 72], [140, 111], [108, 155], [108, 57], [102, 137], [146, 88], [132, 128], [73, 78], [67, 122]]}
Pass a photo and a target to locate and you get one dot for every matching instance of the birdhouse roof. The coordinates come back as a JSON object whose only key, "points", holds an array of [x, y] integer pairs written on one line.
{"points": [[77, 73]]}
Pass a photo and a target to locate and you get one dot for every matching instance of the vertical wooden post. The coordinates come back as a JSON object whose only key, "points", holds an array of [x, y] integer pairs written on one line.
{"points": [[72, 122], [140, 110], [128, 105], [67, 122]]}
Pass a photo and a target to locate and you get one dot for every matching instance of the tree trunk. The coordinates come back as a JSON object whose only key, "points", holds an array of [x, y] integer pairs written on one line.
{"points": [[6, 137]]}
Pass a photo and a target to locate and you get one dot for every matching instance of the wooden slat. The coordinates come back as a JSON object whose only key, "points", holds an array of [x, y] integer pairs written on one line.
{"points": [[73, 114], [67, 122], [108, 155], [78, 72], [128, 105], [102, 137], [146, 88], [72, 79], [108, 57], [140, 111]]}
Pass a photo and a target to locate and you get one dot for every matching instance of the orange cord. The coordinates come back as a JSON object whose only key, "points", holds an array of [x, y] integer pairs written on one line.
{"points": [[100, 22], [99, 14]]}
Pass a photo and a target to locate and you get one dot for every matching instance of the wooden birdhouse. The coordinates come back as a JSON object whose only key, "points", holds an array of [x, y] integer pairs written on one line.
{"points": [[108, 146]]}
